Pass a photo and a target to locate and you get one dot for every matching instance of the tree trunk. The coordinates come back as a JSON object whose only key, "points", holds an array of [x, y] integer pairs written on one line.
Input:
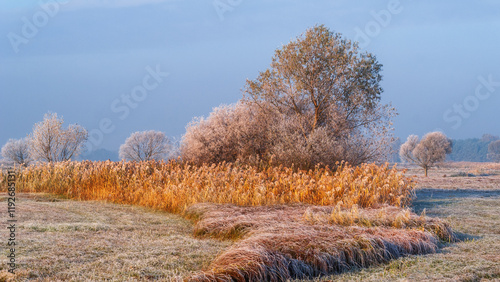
{"points": [[426, 169]]}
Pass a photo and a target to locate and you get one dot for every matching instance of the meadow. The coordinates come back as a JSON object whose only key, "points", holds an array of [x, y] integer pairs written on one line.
{"points": [[172, 221]]}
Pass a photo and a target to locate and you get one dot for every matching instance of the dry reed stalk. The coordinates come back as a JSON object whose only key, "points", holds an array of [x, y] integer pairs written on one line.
{"points": [[174, 186]]}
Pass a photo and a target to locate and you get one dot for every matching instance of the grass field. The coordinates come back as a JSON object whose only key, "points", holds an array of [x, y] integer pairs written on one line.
{"points": [[62, 239]]}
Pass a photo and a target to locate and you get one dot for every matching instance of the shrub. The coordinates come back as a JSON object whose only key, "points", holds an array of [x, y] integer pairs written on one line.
{"points": [[230, 133]]}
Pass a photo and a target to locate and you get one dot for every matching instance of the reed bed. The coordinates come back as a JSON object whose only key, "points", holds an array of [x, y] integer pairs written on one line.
{"points": [[173, 186], [286, 223]]}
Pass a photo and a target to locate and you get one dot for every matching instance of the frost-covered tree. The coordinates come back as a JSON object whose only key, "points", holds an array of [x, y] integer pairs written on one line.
{"points": [[50, 142], [326, 83], [17, 151], [229, 133], [318, 103], [145, 146], [428, 152]]}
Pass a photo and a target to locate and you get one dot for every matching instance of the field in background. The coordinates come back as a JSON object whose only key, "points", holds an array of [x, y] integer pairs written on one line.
{"points": [[472, 211], [458, 175]]}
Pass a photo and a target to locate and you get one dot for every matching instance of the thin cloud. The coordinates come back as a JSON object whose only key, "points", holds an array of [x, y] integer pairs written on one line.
{"points": [[90, 4]]}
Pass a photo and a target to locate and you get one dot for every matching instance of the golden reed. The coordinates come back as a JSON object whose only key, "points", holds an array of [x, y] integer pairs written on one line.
{"points": [[173, 186]]}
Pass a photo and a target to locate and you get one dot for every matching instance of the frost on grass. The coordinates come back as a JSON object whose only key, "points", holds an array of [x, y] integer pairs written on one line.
{"points": [[277, 243]]}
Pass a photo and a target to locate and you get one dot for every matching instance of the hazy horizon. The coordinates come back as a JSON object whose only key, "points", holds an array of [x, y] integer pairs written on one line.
{"points": [[84, 59]]}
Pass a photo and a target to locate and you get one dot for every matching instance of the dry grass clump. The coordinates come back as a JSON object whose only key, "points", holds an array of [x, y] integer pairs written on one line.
{"points": [[233, 222], [295, 242], [290, 251], [174, 186], [387, 216]]}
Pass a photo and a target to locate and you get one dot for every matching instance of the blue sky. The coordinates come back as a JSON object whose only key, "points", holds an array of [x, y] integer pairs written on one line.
{"points": [[81, 58]]}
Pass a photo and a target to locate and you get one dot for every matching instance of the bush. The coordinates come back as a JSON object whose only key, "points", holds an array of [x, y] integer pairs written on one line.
{"points": [[230, 133]]}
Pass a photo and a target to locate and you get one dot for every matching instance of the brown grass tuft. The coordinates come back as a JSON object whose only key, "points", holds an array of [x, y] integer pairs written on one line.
{"points": [[234, 222], [300, 251]]}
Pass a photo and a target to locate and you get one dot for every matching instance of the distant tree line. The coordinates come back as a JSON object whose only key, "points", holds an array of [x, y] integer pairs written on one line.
{"points": [[473, 149]]}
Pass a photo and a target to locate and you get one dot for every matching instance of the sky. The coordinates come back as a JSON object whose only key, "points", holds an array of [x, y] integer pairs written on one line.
{"points": [[120, 66]]}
